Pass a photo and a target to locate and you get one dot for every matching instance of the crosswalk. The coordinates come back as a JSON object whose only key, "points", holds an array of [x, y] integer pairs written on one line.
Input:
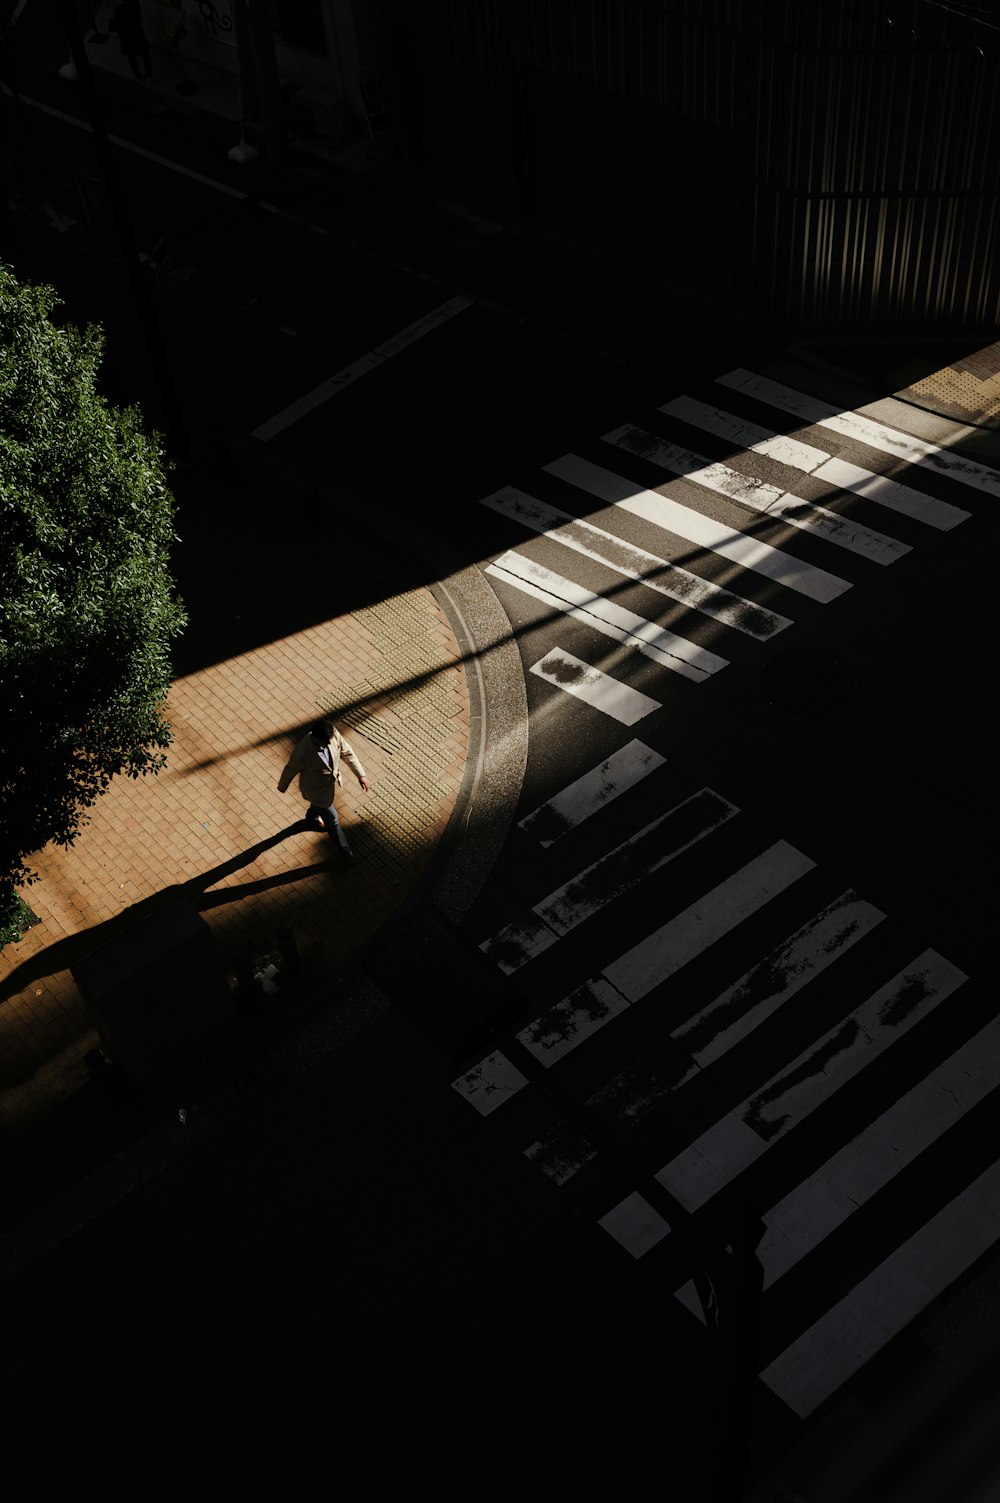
{"points": [[814, 1082]]}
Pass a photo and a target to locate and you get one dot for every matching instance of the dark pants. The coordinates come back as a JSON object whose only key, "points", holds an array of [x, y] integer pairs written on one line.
{"points": [[330, 821]]}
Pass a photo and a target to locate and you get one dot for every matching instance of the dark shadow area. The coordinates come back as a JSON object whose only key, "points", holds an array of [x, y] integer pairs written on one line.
{"points": [[463, 1311], [63, 954], [244, 607], [246, 946]]}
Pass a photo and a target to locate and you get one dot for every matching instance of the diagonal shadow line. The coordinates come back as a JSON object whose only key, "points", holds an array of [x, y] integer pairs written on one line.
{"points": [[756, 526], [342, 713], [248, 889], [403, 686], [243, 858]]}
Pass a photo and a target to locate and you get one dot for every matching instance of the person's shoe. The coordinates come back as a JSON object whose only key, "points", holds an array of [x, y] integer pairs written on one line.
{"points": [[347, 855], [311, 824]]}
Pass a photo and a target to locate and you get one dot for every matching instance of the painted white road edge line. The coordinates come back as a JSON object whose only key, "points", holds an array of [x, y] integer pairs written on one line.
{"points": [[626, 558], [612, 620], [368, 362]]}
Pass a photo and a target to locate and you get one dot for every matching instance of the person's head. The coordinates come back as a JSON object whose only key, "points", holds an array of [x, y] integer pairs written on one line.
{"points": [[321, 731]]}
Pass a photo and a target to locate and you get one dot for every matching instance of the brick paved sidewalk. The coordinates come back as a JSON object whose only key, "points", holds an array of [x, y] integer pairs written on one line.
{"points": [[960, 382], [967, 390], [392, 677]]}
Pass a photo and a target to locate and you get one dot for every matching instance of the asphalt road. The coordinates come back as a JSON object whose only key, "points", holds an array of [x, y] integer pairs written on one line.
{"points": [[881, 789]]}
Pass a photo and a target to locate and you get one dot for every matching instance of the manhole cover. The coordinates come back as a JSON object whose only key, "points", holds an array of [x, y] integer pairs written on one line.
{"points": [[808, 682]]}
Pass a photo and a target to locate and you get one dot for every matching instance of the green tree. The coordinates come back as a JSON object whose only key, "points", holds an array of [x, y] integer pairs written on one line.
{"points": [[87, 604]]}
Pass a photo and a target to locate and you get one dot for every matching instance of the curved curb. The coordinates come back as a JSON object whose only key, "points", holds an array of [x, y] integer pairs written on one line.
{"points": [[498, 752], [498, 718]]}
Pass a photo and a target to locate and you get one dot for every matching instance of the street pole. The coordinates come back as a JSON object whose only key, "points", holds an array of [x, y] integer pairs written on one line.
{"points": [[147, 317], [738, 1334]]}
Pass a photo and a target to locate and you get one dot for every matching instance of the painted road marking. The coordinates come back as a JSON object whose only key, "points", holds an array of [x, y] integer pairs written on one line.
{"points": [[685, 522], [855, 1174], [745, 435], [563, 1150], [576, 1018], [615, 621], [663, 953], [139, 151], [802, 457], [852, 1331], [592, 792], [634, 1224], [490, 1083], [759, 496], [890, 494], [597, 689], [608, 878], [635, 563], [744, 1134], [587, 1009], [837, 472], [372, 361], [805, 954], [874, 435]]}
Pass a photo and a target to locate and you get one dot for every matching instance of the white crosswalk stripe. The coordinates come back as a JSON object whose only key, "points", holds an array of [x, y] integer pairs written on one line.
{"points": [[694, 1032], [697, 528], [602, 691], [882, 1305], [635, 563], [612, 620], [854, 425], [783, 973], [594, 791], [743, 1135], [616, 873], [816, 1206], [663, 953], [835, 471], [758, 495], [851, 1177]]}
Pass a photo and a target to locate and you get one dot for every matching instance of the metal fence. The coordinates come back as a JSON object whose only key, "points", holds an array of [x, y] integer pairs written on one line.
{"points": [[863, 145]]}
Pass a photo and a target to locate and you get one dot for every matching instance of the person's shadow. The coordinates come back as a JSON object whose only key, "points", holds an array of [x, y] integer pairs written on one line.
{"points": [[65, 954]]}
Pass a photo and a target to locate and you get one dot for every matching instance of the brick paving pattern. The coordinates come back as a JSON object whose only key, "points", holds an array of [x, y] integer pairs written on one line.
{"points": [[968, 390], [391, 675]]}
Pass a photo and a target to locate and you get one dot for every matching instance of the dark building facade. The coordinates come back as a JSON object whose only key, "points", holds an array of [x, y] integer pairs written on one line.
{"points": [[825, 162]]}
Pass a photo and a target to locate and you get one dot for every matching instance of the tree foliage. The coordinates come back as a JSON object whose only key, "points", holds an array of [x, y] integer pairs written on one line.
{"points": [[87, 605]]}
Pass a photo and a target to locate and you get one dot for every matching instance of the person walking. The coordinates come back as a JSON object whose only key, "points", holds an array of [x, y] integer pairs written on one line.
{"points": [[127, 22], [316, 760]]}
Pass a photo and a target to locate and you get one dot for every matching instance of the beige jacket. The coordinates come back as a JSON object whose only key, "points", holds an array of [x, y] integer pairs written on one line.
{"points": [[317, 782]]}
